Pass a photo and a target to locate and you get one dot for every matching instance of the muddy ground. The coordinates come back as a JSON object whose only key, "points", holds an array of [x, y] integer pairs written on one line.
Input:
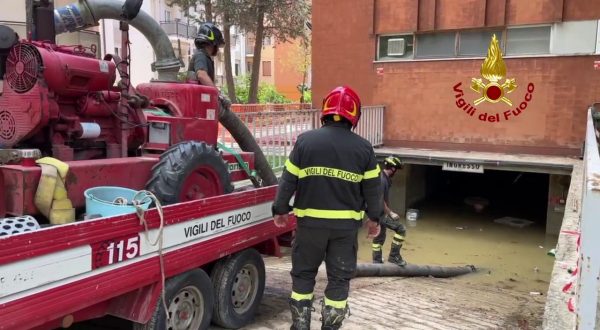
{"points": [[512, 263], [407, 303], [394, 303]]}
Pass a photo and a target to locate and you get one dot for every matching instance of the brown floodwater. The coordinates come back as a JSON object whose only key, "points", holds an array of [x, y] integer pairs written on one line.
{"points": [[445, 234]]}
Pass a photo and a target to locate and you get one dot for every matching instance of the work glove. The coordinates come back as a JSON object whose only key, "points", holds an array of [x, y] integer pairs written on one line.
{"points": [[394, 216], [225, 101]]}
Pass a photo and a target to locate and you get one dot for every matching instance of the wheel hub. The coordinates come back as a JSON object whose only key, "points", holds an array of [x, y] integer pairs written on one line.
{"points": [[201, 183], [244, 287], [186, 310]]}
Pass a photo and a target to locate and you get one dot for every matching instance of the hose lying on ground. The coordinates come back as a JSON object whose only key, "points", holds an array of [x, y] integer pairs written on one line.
{"points": [[379, 270]]}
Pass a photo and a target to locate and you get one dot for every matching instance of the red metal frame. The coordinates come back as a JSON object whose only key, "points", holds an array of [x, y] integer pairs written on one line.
{"points": [[20, 182], [49, 307]]}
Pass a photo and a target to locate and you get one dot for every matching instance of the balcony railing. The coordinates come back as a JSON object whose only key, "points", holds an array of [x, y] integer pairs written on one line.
{"points": [[180, 29]]}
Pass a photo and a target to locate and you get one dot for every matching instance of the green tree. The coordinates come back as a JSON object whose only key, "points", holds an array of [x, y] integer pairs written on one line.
{"points": [[281, 19], [267, 93], [300, 61]]}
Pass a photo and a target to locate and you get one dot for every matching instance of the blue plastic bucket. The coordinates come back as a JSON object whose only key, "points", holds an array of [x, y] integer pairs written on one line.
{"points": [[110, 201]]}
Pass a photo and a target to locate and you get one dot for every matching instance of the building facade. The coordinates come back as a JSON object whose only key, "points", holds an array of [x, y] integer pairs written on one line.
{"points": [[267, 58], [13, 15], [292, 68], [181, 30], [420, 58]]}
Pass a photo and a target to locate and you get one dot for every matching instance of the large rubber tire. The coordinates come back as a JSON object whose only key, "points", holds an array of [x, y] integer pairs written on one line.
{"points": [[192, 166], [188, 295], [239, 283]]}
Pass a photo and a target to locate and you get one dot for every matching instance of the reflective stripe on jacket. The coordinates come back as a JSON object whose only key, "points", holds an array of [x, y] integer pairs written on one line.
{"points": [[335, 176]]}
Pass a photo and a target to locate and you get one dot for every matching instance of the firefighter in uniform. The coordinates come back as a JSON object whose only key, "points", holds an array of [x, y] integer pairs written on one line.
{"points": [[202, 66], [391, 220], [335, 176]]}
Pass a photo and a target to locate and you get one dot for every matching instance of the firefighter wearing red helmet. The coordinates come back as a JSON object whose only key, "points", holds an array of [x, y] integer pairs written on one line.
{"points": [[335, 177]]}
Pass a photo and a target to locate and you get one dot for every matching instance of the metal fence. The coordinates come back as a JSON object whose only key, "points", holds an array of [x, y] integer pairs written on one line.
{"points": [[370, 125], [277, 131], [242, 108], [589, 281]]}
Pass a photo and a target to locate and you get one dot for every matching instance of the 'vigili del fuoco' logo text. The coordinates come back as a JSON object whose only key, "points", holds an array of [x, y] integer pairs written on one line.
{"points": [[491, 89]]}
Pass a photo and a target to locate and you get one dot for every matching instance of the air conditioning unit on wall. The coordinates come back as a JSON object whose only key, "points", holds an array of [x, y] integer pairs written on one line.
{"points": [[396, 47]]}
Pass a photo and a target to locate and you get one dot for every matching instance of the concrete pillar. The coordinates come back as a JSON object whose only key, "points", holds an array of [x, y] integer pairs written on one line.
{"points": [[398, 191], [416, 184], [409, 186], [557, 196]]}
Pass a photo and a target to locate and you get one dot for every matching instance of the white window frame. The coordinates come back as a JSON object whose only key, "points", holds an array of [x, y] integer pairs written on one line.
{"points": [[456, 42], [514, 27], [503, 45], [502, 37]]}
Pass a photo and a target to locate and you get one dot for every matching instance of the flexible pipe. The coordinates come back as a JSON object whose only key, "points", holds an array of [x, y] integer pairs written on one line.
{"points": [[87, 13], [410, 270]]}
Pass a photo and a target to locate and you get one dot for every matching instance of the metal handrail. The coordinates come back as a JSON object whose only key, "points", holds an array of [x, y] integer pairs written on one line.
{"points": [[277, 131]]}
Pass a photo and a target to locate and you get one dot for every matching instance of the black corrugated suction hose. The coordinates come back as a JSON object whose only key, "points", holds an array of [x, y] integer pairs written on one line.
{"points": [[410, 270], [246, 141]]}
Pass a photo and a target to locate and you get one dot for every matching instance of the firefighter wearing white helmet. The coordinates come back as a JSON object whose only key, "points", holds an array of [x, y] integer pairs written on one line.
{"points": [[392, 219]]}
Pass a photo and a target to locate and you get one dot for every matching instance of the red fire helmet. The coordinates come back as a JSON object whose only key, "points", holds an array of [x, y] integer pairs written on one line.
{"points": [[342, 101]]}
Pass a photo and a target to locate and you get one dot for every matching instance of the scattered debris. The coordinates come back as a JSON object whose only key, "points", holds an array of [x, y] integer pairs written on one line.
{"points": [[535, 293], [460, 228], [478, 203], [552, 252], [513, 222], [412, 214], [541, 247]]}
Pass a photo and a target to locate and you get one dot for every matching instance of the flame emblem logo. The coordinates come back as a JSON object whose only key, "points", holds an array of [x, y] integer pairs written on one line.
{"points": [[493, 70]]}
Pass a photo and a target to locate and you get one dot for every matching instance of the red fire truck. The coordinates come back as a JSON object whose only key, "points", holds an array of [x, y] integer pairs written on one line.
{"points": [[211, 251], [181, 266]]}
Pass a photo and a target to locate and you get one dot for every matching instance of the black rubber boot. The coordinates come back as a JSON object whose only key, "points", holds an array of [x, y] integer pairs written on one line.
{"points": [[377, 257], [331, 317], [395, 256], [300, 314]]}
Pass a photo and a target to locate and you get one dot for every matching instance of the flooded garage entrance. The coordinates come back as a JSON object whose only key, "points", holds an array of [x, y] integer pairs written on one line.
{"points": [[503, 222]]}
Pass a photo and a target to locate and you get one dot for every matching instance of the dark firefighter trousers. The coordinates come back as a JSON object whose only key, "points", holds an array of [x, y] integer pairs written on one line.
{"points": [[338, 248], [396, 226]]}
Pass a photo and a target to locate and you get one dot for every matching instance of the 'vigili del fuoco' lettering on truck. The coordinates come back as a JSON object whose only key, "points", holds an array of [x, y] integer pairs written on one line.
{"points": [[217, 224]]}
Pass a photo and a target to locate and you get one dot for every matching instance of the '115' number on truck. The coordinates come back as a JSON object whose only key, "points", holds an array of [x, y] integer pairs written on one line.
{"points": [[116, 250]]}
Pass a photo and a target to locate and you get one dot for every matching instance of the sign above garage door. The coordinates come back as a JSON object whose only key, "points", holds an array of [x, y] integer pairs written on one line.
{"points": [[462, 167]]}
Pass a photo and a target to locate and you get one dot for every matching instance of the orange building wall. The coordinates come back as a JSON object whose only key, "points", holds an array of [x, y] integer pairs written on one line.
{"points": [[343, 47], [287, 75], [267, 54], [419, 99], [421, 105]]}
